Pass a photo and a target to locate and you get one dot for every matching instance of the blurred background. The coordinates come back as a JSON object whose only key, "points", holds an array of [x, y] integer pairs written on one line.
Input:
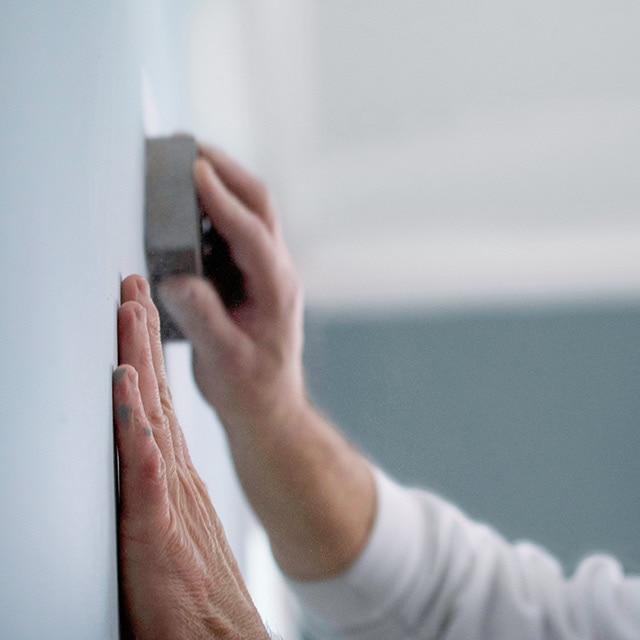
{"points": [[459, 184], [460, 188]]}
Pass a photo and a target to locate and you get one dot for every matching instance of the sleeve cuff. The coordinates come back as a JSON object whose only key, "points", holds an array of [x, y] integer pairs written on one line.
{"points": [[384, 569]]}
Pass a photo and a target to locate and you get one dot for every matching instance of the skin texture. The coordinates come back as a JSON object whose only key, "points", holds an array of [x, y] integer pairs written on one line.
{"points": [[179, 578], [313, 492]]}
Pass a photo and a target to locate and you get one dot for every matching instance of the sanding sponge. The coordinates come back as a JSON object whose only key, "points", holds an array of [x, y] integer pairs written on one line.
{"points": [[172, 216], [179, 239]]}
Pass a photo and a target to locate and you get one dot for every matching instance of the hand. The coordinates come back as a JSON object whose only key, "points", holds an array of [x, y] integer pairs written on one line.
{"points": [[247, 360], [179, 576], [313, 492]]}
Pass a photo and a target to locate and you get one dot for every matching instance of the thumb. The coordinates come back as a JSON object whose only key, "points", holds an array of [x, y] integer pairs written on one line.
{"points": [[197, 309]]}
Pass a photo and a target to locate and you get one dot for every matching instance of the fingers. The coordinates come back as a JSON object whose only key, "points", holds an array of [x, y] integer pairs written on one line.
{"points": [[229, 215], [134, 349], [138, 390], [135, 288], [249, 189], [143, 483], [197, 308], [251, 245]]}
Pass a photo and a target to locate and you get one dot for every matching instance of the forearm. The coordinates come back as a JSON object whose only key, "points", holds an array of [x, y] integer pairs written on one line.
{"points": [[313, 492], [429, 571]]}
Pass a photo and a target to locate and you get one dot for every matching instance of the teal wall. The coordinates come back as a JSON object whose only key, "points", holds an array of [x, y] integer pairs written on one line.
{"points": [[528, 419]]}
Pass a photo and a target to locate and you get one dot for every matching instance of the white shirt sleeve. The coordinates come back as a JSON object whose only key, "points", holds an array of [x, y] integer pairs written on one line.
{"points": [[428, 572]]}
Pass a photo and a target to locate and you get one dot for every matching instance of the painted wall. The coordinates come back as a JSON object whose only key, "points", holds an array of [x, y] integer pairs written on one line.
{"points": [[71, 184], [72, 122], [527, 418], [71, 225]]}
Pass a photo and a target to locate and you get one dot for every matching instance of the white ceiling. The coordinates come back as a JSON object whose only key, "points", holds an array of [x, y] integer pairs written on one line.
{"points": [[452, 152]]}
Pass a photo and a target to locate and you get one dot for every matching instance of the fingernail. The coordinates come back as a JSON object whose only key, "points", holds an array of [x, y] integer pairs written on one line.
{"points": [[141, 314], [143, 287]]}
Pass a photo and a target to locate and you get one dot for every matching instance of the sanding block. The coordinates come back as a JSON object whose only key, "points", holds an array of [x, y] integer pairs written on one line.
{"points": [[179, 238]]}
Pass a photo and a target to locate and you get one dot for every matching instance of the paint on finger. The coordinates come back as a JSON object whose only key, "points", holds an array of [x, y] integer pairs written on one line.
{"points": [[147, 432], [118, 374], [124, 412]]}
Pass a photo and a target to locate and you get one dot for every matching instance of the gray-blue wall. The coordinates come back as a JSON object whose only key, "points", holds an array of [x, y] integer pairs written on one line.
{"points": [[528, 419]]}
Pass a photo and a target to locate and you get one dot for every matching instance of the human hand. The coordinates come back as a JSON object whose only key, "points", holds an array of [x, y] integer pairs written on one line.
{"points": [[179, 576], [247, 360], [312, 491]]}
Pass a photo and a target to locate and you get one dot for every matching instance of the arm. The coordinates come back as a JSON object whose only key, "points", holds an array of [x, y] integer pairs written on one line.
{"points": [[441, 575], [313, 492], [437, 574], [179, 578]]}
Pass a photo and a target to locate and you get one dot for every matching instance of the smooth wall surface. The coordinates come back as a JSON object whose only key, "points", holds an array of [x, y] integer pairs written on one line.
{"points": [[81, 84], [71, 169]]}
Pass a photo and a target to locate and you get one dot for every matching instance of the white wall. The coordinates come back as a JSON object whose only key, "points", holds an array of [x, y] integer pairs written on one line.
{"points": [[438, 154], [71, 177], [338, 97]]}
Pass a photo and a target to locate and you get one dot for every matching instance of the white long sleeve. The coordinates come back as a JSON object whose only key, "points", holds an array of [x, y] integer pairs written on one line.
{"points": [[428, 572]]}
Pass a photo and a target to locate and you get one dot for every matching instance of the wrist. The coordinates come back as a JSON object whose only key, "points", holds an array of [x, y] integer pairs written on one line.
{"points": [[313, 492], [267, 424]]}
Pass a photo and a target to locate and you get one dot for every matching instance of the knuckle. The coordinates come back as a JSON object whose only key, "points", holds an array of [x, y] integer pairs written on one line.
{"points": [[154, 469], [153, 321], [166, 402], [158, 418], [141, 284], [263, 194], [130, 311], [146, 357], [289, 293]]}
